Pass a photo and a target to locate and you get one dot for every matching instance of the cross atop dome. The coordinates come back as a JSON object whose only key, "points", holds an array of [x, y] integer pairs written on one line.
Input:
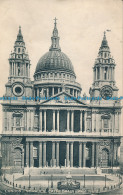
{"points": [[55, 19], [55, 38]]}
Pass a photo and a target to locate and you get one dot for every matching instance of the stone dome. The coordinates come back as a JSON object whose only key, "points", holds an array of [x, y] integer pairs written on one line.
{"points": [[54, 60]]}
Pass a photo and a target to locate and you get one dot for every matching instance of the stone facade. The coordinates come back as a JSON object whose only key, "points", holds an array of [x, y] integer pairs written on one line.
{"points": [[58, 130]]}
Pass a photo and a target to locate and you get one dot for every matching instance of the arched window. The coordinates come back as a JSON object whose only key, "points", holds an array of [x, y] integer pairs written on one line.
{"points": [[18, 50]]}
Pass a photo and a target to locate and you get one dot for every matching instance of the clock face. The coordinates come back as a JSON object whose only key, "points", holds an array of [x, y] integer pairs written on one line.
{"points": [[18, 89], [106, 92]]}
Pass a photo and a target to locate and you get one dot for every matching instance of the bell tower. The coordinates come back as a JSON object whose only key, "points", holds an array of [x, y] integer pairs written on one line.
{"points": [[19, 82], [104, 73], [19, 60]]}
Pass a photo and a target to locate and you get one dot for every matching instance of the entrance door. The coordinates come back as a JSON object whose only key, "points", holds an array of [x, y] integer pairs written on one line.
{"points": [[105, 158], [18, 157]]}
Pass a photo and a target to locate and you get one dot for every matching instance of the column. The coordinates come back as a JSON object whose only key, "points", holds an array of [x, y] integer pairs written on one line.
{"points": [[44, 154], [75, 93], [53, 154], [52, 91], [40, 120], [53, 120], [23, 69], [85, 122], [114, 74], [71, 154], [57, 154], [22, 165], [92, 122], [28, 70], [44, 120], [80, 120], [95, 121], [27, 154], [97, 154], [119, 125], [38, 94], [40, 154], [102, 125], [14, 124], [31, 154], [114, 124], [96, 73], [10, 121], [14, 69], [72, 120], [68, 120], [92, 160], [67, 154], [47, 92], [10, 69], [58, 89], [100, 73], [32, 119], [84, 154], [80, 154], [28, 119], [57, 120], [116, 121]]}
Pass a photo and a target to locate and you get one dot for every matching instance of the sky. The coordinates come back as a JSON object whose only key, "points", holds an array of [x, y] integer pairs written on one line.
{"points": [[81, 24]]}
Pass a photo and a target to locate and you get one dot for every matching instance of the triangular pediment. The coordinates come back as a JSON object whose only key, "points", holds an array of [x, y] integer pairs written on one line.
{"points": [[63, 99]]}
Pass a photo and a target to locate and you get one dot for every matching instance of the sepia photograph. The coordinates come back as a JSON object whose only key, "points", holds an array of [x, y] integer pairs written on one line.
{"points": [[61, 97]]}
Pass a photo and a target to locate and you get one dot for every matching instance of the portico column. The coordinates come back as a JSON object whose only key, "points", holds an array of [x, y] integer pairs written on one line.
{"points": [[31, 154], [40, 120], [80, 154], [58, 89], [27, 154], [92, 122], [92, 160], [53, 120], [44, 120], [72, 120], [102, 125], [80, 120], [44, 154], [97, 152], [84, 154], [68, 120], [57, 120], [53, 153], [38, 94], [67, 154], [75, 93], [52, 91], [32, 119], [47, 92], [40, 154], [85, 122], [57, 154], [71, 154]]}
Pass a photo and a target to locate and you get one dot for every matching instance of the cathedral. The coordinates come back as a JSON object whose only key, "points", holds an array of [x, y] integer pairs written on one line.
{"points": [[46, 123]]}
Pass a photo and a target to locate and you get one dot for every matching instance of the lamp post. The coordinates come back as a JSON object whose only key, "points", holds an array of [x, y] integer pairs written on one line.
{"points": [[29, 180], [13, 180], [105, 181], [51, 181], [84, 181], [93, 185]]}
